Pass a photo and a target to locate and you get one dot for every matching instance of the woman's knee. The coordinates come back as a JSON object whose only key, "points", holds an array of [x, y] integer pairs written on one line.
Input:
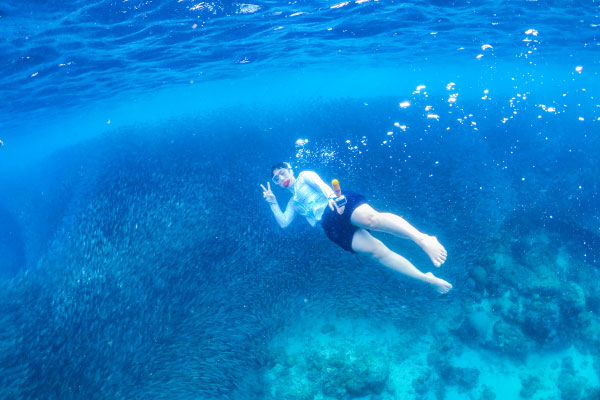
{"points": [[374, 220], [370, 219]]}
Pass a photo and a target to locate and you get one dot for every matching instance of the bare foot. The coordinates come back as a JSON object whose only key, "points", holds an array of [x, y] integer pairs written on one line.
{"points": [[434, 249], [440, 285]]}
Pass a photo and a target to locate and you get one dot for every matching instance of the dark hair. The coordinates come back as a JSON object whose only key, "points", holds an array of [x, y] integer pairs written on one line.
{"points": [[280, 165]]}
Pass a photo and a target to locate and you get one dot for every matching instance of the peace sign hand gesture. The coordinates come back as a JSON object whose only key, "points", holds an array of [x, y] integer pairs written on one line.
{"points": [[268, 194]]}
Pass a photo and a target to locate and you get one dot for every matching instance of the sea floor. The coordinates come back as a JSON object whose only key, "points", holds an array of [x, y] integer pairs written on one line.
{"points": [[358, 359]]}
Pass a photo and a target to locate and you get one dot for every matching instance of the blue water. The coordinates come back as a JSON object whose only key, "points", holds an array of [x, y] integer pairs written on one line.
{"points": [[138, 258]]}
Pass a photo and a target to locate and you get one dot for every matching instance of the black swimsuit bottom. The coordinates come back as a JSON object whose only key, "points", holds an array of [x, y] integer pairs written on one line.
{"points": [[338, 228]]}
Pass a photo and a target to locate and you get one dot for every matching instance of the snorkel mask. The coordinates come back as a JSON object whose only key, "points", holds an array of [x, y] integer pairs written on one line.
{"points": [[284, 175]]}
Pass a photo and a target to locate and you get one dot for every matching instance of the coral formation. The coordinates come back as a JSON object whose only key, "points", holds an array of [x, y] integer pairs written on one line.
{"points": [[530, 384], [526, 303], [328, 365], [572, 386]]}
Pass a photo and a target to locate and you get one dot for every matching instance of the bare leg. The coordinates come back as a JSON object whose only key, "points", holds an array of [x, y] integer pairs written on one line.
{"points": [[364, 216], [364, 243]]}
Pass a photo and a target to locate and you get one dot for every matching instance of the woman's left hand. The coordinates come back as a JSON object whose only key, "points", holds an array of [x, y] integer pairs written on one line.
{"points": [[340, 210]]}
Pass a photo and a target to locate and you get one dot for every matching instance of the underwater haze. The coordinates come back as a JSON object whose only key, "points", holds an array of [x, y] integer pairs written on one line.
{"points": [[139, 260]]}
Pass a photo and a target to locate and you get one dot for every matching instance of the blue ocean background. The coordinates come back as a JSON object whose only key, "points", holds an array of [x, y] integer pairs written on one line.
{"points": [[138, 258]]}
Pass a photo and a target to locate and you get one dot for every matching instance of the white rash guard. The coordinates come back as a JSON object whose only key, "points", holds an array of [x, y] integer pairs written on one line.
{"points": [[311, 196]]}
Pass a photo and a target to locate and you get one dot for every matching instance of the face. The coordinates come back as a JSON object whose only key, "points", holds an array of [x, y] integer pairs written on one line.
{"points": [[283, 177]]}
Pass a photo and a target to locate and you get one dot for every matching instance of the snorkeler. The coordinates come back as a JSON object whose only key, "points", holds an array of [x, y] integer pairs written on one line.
{"points": [[348, 222], [1, 143]]}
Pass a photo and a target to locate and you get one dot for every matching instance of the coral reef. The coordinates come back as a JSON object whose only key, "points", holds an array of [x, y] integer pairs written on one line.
{"points": [[486, 393], [572, 386], [525, 304], [530, 384], [465, 378], [328, 365]]}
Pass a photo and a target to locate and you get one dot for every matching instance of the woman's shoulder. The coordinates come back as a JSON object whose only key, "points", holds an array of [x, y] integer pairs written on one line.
{"points": [[307, 174]]}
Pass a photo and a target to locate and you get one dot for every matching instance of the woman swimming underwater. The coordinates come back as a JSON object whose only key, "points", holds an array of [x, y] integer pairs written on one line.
{"points": [[348, 222]]}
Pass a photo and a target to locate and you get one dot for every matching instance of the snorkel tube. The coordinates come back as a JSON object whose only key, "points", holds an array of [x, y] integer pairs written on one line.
{"points": [[340, 200]]}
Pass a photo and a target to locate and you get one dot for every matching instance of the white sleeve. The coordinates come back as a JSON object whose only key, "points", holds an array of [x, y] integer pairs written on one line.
{"points": [[285, 218], [316, 182]]}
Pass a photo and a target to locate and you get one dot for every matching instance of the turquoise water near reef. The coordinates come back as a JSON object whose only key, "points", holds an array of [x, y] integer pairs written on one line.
{"points": [[138, 258]]}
